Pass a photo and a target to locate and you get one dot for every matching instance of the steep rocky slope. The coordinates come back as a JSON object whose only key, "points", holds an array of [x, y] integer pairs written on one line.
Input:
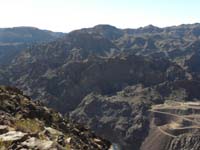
{"points": [[28, 125]]}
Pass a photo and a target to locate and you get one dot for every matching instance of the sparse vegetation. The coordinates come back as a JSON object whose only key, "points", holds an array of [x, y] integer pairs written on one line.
{"points": [[4, 145], [28, 125], [67, 147], [55, 117], [42, 136]]}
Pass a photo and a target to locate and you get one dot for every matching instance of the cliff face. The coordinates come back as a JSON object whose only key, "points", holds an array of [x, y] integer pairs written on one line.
{"points": [[28, 125]]}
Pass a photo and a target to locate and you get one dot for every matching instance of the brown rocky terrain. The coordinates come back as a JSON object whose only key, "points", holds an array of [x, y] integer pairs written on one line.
{"points": [[109, 78], [92, 75], [174, 125], [28, 125], [125, 118]]}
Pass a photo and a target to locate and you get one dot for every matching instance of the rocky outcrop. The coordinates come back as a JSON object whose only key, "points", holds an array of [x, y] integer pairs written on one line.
{"points": [[28, 125]]}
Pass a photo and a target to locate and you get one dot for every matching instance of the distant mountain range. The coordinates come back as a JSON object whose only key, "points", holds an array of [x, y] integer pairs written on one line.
{"points": [[108, 78], [13, 40]]}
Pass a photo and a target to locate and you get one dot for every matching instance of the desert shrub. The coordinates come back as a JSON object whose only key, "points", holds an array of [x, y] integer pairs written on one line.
{"points": [[67, 147], [5, 144], [28, 125]]}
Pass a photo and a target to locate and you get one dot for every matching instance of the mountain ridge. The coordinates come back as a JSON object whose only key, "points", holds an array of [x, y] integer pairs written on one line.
{"points": [[89, 73]]}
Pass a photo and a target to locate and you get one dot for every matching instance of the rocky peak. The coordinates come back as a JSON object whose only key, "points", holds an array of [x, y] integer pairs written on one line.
{"points": [[106, 31]]}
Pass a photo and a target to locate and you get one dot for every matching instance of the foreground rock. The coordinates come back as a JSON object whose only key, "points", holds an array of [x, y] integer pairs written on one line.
{"points": [[27, 125]]}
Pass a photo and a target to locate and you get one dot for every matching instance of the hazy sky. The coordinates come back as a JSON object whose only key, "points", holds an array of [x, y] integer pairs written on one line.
{"points": [[67, 15]]}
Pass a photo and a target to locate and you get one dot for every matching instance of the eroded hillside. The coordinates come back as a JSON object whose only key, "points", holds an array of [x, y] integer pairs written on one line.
{"points": [[109, 78]]}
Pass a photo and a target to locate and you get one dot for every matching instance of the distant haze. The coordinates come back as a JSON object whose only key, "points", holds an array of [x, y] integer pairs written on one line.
{"points": [[67, 15]]}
